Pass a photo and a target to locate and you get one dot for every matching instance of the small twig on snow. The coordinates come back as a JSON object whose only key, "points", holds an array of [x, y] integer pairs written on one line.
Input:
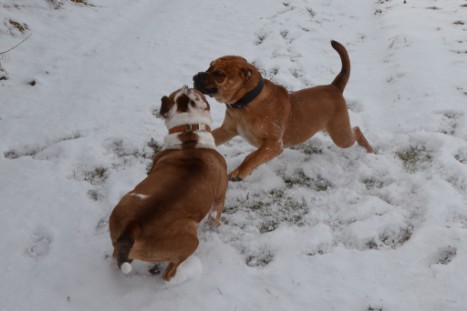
{"points": [[15, 46]]}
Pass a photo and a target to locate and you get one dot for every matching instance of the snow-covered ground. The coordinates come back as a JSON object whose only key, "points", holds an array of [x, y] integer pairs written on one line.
{"points": [[319, 228]]}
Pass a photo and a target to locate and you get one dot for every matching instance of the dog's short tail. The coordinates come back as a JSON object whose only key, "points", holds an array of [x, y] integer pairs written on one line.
{"points": [[341, 80], [124, 245]]}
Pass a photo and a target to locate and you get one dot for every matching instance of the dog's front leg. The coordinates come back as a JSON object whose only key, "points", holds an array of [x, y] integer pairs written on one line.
{"points": [[267, 151], [227, 131], [222, 135]]}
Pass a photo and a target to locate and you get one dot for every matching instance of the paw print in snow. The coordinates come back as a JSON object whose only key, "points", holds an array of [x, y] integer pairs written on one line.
{"points": [[40, 244]]}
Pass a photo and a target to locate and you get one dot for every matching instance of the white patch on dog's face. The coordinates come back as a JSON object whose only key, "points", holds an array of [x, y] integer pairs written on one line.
{"points": [[187, 106], [195, 111], [198, 99]]}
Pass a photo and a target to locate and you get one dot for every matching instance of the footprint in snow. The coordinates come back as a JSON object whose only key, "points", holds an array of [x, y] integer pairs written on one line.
{"points": [[444, 255], [41, 240], [286, 36], [102, 224], [461, 156], [287, 8], [298, 74], [354, 106], [260, 37], [449, 121]]}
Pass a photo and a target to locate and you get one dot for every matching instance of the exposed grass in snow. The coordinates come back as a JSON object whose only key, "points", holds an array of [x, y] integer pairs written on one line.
{"points": [[413, 157]]}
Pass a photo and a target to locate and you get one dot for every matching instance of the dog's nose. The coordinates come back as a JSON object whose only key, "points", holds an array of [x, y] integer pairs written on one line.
{"points": [[200, 76]]}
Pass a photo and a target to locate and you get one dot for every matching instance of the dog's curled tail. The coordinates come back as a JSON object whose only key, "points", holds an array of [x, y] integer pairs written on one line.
{"points": [[124, 245], [341, 80]]}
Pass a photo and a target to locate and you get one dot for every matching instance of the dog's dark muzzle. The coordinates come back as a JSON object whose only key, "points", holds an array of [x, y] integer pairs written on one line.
{"points": [[201, 83]]}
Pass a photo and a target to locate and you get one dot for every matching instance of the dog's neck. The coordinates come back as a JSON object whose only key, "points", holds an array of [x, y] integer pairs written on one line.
{"points": [[190, 127], [190, 140], [189, 131], [248, 97]]}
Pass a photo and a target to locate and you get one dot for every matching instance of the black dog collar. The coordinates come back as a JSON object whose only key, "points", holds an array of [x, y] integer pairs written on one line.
{"points": [[242, 102]]}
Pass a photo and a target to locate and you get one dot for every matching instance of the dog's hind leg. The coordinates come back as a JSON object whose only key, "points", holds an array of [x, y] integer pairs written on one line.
{"points": [[175, 244], [345, 137], [339, 129], [342, 134], [215, 211], [188, 245], [361, 140]]}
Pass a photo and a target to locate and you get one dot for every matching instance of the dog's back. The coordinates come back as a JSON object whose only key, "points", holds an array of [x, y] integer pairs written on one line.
{"points": [[157, 221], [178, 186]]}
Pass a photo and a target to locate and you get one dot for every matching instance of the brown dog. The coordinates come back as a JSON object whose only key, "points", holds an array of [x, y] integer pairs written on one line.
{"points": [[157, 220], [268, 117]]}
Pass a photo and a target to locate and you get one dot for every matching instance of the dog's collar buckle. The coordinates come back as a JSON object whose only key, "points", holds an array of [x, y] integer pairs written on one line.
{"points": [[242, 102], [187, 128]]}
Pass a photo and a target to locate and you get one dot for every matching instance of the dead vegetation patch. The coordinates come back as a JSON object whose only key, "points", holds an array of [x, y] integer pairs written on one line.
{"points": [[56, 4], [446, 255], [81, 2], [96, 176], [392, 238], [299, 178], [268, 210], [413, 157], [259, 260], [22, 27]]}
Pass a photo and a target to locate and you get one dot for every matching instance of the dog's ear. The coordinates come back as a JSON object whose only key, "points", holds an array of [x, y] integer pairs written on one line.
{"points": [[165, 107], [246, 74]]}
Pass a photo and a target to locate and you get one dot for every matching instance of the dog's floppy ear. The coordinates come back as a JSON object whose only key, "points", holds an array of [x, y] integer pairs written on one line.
{"points": [[246, 74], [165, 107]]}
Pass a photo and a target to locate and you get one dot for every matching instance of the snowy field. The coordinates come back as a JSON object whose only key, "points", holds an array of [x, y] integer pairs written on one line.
{"points": [[318, 228]]}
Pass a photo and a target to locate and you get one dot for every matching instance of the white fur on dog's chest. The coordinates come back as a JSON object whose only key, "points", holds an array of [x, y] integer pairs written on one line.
{"points": [[205, 140]]}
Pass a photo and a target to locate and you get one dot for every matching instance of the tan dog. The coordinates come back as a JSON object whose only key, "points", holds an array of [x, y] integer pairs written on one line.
{"points": [[270, 118], [157, 220]]}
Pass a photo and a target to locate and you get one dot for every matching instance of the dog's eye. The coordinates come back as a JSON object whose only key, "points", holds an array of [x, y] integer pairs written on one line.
{"points": [[218, 74]]}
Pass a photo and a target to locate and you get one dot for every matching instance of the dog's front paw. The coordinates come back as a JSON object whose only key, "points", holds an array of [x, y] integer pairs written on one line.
{"points": [[237, 175]]}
